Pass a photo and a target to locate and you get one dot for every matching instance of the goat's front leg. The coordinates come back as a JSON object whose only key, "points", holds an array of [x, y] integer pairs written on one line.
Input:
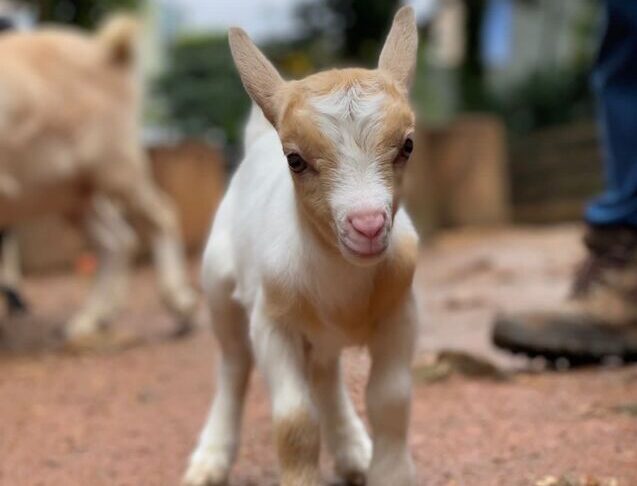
{"points": [[156, 210], [281, 355], [389, 396], [344, 431], [215, 453]]}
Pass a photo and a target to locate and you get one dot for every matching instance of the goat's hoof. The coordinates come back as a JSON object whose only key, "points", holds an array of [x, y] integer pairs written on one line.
{"points": [[401, 473], [184, 328], [353, 459], [211, 470], [183, 302], [354, 478], [16, 304], [106, 340]]}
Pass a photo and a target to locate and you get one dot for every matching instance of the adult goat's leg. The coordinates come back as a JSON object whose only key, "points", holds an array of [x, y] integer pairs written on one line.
{"points": [[152, 208], [11, 274], [114, 241]]}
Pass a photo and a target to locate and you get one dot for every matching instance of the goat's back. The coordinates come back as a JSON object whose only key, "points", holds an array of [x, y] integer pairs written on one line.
{"points": [[68, 104]]}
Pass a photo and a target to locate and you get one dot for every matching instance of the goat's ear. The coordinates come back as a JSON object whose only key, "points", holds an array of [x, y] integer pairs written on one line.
{"points": [[399, 53], [260, 79]]}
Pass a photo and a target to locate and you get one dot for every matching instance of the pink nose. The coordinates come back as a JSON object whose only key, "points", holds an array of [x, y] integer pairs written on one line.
{"points": [[368, 223]]}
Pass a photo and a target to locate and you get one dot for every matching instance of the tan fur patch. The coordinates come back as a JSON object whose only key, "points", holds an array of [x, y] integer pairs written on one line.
{"points": [[391, 285], [394, 278], [298, 446]]}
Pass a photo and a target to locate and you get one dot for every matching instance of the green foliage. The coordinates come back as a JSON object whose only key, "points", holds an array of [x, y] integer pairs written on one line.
{"points": [[201, 89], [358, 26], [472, 82], [554, 94], [545, 98], [84, 13]]}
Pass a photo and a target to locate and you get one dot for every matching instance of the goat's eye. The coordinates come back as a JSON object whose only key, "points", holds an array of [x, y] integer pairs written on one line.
{"points": [[296, 163], [405, 152], [408, 148]]}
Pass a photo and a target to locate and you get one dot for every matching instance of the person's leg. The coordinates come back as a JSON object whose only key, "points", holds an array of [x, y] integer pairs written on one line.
{"points": [[600, 319], [615, 83]]}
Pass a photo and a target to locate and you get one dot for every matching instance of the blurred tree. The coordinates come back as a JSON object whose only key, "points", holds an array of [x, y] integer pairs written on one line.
{"points": [[553, 93], [201, 90], [84, 13], [472, 72], [544, 98], [356, 28]]}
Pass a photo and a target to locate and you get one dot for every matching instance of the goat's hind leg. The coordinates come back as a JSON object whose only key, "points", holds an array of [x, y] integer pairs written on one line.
{"points": [[212, 459], [114, 241], [10, 274], [15, 302], [154, 210]]}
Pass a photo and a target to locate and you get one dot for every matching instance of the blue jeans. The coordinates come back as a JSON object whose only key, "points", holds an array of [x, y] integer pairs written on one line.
{"points": [[615, 83]]}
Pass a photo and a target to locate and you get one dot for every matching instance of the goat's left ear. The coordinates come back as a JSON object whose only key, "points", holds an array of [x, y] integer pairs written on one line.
{"points": [[399, 53]]}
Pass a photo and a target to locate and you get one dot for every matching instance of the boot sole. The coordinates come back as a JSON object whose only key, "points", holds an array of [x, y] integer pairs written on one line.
{"points": [[580, 343]]}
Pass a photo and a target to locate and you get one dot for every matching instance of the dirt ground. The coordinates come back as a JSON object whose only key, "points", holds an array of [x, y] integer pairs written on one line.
{"points": [[131, 417]]}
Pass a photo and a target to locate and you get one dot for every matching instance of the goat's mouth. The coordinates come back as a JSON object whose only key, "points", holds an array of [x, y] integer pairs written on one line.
{"points": [[363, 252]]}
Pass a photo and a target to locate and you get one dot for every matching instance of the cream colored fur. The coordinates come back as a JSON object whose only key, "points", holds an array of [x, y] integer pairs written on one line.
{"points": [[284, 286], [69, 145]]}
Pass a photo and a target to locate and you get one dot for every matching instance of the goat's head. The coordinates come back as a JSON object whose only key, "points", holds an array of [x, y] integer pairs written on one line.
{"points": [[347, 135]]}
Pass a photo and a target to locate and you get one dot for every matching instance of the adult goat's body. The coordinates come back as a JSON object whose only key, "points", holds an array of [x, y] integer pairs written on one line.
{"points": [[69, 145], [300, 265]]}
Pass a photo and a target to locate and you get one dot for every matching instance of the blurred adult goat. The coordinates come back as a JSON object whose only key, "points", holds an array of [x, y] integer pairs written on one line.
{"points": [[70, 145]]}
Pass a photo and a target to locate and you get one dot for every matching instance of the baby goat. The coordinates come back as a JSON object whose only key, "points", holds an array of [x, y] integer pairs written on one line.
{"points": [[310, 253]]}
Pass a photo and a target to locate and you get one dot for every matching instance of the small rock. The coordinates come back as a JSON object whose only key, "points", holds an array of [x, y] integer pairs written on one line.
{"points": [[449, 362], [546, 481], [627, 408], [569, 481]]}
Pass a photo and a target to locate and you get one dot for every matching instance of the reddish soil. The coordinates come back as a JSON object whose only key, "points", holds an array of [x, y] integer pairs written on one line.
{"points": [[131, 417]]}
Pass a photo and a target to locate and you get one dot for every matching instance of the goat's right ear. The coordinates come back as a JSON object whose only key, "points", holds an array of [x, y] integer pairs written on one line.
{"points": [[260, 78]]}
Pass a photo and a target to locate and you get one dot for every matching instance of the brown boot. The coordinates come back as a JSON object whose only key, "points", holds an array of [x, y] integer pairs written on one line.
{"points": [[600, 318]]}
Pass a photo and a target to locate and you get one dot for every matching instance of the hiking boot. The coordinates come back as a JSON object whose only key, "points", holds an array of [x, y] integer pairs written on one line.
{"points": [[598, 321]]}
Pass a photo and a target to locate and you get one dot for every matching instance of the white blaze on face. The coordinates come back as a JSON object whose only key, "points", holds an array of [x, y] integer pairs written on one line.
{"points": [[352, 120]]}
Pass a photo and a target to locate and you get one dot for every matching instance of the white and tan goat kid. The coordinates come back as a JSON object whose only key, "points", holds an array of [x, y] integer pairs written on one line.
{"points": [[311, 254]]}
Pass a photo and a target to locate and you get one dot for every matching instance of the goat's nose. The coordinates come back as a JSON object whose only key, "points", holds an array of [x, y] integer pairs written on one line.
{"points": [[368, 223]]}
